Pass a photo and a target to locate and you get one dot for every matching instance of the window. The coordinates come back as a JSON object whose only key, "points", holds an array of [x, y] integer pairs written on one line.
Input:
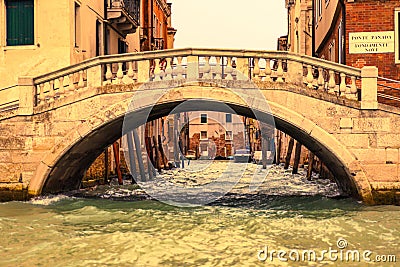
{"points": [[122, 46], [332, 51], [341, 43], [98, 38], [203, 135], [228, 135], [397, 34], [20, 22], [228, 117], [203, 118], [318, 10], [77, 25]]}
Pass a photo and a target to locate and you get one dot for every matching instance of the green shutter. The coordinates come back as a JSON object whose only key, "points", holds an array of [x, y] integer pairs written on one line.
{"points": [[20, 22]]}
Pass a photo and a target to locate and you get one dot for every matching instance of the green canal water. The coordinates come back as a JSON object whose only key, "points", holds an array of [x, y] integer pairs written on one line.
{"points": [[238, 230], [96, 232]]}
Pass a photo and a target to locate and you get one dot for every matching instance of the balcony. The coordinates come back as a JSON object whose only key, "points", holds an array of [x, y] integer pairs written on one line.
{"points": [[124, 15], [158, 44]]}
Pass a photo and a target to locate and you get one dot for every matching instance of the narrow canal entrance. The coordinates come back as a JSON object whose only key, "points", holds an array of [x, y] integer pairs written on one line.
{"points": [[223, 155]]}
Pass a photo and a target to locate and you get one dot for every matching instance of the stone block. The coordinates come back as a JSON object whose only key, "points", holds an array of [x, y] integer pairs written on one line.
{"points": [[365, 125], [370, 155], [12, 143], [381, 172], [346, 123], [43, 143], [392, 155], [388, 140], [5, 156], [353, 140]]}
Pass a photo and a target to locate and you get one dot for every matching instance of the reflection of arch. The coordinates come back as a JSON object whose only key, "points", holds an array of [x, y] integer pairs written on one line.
{"points": [[66, 163]]}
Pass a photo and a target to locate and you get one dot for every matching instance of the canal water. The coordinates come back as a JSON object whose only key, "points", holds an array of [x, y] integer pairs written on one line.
{"points": [[117, 226]]}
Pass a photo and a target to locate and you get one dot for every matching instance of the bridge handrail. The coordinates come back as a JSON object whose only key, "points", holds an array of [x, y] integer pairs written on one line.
{"points": [[199, 63], [183, 52]]}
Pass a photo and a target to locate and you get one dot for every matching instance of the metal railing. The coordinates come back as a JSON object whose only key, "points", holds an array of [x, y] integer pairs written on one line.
{"points": [[131, 6], [385, 84]]}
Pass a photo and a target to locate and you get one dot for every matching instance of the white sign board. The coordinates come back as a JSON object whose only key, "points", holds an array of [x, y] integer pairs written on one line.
{"points": [[371, 42]]}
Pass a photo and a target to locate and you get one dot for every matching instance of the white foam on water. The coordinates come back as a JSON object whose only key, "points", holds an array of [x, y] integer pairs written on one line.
{"points": [[48, 200]]}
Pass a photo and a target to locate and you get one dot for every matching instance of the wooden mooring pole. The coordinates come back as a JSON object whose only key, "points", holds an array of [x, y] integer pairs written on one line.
{"points": [[117, 162], [150, 159], [278, 148], [310, 165], [297, 154], [289, 153], [106, 167], [139, 155], [132, 161]]}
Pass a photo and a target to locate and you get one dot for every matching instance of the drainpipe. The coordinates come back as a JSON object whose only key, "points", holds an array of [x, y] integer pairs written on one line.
{"points": [[344, 30], [105, 23], [313, 30], [152, 24]]}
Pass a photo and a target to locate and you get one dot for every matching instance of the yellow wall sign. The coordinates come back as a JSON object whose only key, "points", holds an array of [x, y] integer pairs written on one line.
{"points": [[371, 42]]}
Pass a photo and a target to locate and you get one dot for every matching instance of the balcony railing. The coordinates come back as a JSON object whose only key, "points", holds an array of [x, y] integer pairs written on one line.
{"points": [[158, 43], [125, 14]]}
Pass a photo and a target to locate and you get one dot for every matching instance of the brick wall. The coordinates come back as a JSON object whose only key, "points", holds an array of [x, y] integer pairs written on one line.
{"points": [[372, 16]]}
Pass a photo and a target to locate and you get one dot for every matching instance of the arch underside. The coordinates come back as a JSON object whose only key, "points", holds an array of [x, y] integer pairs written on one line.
{"points": [[69, 170]]}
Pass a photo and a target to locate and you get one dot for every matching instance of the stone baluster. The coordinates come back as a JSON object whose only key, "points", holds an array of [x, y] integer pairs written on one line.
{"points": [[218, 69], [342, 86], [332, 82], [109, 74], [120, 73], [52, 93], [279, 72], [321, 80], [229, 69], [207, 69], [42, 96], [267, 71], [131, 73], [310, 77], [179, 69], [71, 85], [168, 69], [81, 83], [256, 70], [61, 88], [157, 70]]}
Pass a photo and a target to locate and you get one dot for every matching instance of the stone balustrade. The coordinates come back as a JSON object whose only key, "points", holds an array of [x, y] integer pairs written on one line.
{"points": [[206, 64]]}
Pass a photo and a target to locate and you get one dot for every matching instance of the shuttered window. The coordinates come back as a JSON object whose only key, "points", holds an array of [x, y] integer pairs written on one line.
{"points": [[20, 22]]}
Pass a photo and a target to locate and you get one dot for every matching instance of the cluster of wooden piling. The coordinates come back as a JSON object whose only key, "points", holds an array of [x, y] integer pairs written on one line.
{"points": [[302, 156]]}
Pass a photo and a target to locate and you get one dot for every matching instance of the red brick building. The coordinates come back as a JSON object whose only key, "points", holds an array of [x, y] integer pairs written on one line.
{"points": [[341, 25], [360, 33]]}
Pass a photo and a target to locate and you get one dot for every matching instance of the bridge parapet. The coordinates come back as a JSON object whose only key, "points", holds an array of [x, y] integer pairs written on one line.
{"points": [[208, 64]]}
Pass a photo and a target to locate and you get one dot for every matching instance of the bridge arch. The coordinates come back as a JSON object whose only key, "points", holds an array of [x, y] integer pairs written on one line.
{"points": [[64, 166]]}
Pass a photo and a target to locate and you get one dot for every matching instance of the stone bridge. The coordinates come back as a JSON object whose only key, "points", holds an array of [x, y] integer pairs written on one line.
{"points": [[60, 122]]}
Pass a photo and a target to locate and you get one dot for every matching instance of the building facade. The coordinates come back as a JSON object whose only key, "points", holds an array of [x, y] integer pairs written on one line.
{"points": [[300, 27], [356, 33], [40, 36], [359, 33]]}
